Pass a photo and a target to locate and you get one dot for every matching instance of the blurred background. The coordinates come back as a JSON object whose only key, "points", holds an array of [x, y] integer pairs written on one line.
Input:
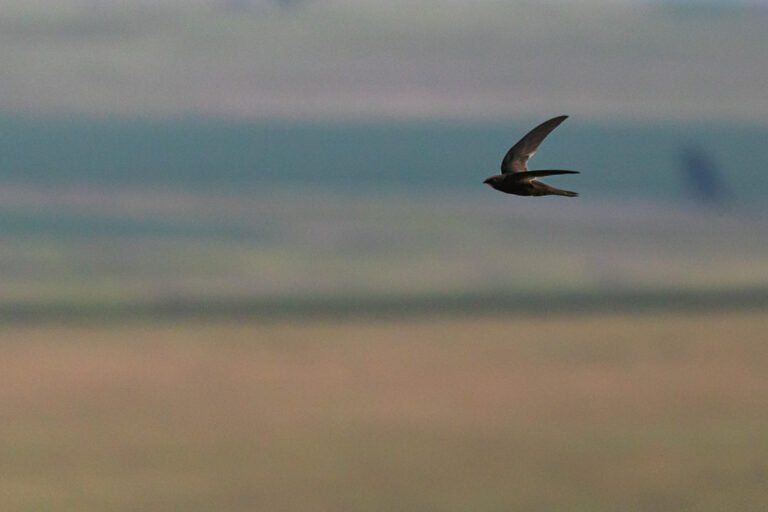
{"points": [[248, 261]]}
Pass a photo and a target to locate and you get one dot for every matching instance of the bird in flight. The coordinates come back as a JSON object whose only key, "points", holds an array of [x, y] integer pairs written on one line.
{"points": [[515, 178]]}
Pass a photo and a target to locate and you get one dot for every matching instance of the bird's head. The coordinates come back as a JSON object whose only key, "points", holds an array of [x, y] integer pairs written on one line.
{"points": [[493, 180]]}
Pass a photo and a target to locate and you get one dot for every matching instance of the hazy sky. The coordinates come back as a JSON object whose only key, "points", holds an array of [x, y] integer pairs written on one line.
{"points": [[402, 58]]}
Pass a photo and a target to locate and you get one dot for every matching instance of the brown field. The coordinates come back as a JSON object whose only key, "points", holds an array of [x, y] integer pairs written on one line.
{"points": [[579, 413]]}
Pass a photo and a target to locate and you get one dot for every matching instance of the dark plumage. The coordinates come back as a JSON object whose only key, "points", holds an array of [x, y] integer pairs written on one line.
{"points": [[515, 178]]}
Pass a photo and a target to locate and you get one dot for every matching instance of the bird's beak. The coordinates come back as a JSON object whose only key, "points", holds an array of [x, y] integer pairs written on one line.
{"points": [[487, 181]]}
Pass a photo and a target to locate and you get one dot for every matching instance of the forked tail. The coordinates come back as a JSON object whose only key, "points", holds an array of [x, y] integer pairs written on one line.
{"points": [[543, 187], [566, 193], [548, 190]]}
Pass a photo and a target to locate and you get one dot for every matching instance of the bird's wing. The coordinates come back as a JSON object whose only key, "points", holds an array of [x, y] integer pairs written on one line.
{"points": [[540, 174], [517, 157]]}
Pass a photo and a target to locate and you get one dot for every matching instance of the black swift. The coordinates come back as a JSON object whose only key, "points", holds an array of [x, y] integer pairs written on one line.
{"points": [[515, 178]]}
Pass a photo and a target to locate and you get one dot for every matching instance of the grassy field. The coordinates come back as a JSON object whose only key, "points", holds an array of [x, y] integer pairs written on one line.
{"points": [[101, 246], [584, 413]]}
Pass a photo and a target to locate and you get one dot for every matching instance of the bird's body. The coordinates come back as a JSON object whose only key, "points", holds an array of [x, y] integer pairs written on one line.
{"points": [[515, 178], [527, 184]]}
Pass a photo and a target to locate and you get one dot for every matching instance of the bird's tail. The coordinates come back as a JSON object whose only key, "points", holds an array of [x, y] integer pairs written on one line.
{"points": [[548, 190], [544, 189], [566, 193]]}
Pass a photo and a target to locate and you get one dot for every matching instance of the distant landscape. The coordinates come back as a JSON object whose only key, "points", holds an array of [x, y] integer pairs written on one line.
{"points": [[175, 152], [124, 211], [366, 58], [248, 261], [593, 412]]}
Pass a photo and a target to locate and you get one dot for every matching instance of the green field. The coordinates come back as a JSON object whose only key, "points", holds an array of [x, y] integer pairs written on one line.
{"points": [[592, 413], [104, 247]]}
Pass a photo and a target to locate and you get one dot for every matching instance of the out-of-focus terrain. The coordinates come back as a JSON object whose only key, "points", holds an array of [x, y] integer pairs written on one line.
{"points": [[140, 246], [595, 412], [247, 261], [162, 150]]}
